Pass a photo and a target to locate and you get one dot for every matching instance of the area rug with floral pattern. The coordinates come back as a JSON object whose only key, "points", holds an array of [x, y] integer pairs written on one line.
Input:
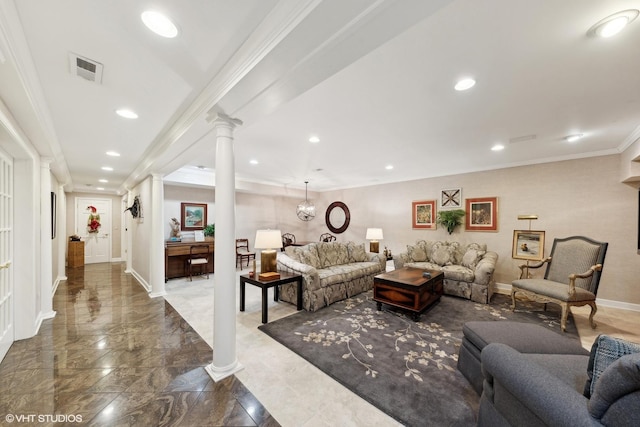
{"points": [[406, 369]]}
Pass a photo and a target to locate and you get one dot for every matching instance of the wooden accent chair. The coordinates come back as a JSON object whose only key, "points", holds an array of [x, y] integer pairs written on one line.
{"points": [[242, 252], [327, 237], [198, 256], [288, 239], [571, 279]]}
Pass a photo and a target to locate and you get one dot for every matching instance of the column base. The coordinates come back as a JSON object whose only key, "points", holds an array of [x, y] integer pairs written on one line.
{"points": [[220, 373]]}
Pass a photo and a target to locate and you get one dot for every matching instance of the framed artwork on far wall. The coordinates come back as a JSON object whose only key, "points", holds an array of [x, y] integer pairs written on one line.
{"points": [[423, 214], [482, 214], [451, 198], [193, 216], [528, 245]]}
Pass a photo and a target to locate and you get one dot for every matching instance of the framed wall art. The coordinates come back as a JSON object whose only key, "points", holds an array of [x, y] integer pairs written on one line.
{"points": [[423, 214], [528, 245], [451, 198], [482, 214], [193, 216]]}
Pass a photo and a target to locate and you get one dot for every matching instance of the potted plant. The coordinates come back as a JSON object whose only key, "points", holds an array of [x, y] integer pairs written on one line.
{"points": [[451, 218], [210, 230]]}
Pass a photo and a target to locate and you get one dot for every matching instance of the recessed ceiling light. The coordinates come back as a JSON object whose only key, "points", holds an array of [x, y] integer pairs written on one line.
{"points": [[253, 161], [613, 24], [107, 168], [388, 167], [103, 180], [127, 114], [113, 154], [159, 24], [464, 84], [314, 139], [99, 188], [497, 147], [573, 138]]}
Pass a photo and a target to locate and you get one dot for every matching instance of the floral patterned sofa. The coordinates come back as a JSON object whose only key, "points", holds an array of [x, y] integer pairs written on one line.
{"points": [[331, 271], [468, 269]]}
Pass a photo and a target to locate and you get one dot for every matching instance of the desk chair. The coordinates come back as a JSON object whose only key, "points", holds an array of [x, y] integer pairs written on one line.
{"points": [[198, 256], [288, 239], [242, 252], [327, 237]]}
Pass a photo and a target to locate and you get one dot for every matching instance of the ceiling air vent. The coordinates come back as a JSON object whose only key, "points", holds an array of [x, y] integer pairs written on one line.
{"points": [[86, 68]]}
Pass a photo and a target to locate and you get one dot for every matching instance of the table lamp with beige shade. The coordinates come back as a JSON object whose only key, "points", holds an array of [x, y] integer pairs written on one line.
{"points": [[374, 234], [268, 241]]}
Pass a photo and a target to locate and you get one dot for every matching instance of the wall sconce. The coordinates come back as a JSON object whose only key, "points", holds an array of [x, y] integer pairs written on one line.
{"points": [[374, 234], [268, 241]]}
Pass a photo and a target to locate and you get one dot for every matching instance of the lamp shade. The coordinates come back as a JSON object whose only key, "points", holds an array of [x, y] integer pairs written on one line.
{"points": [[374, 234], [268, 239]]}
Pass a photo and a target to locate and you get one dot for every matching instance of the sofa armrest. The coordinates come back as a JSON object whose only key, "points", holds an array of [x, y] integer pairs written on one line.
{"points": [[485, 268], [380, 259], [400, 259], [512, 382], [311, 280]]}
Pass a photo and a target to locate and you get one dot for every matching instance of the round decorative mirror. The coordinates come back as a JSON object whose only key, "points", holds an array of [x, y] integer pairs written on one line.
{"points": [[337, 217]]}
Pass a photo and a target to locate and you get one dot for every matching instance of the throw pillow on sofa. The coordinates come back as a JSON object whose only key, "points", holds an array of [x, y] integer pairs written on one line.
{"points": [[471, 258], [357, 253], [417, 253], [605, 351], [310, 256], [443, 253]]}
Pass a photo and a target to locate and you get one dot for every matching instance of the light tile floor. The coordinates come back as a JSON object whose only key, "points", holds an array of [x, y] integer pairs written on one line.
{"points": [[295, 392]]}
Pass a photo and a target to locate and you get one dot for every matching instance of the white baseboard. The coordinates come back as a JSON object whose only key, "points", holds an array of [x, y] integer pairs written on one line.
{"points": [[140, 280], [116, 259], [505, 288]]}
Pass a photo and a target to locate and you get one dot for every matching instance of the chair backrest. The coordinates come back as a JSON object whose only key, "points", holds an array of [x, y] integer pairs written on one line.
{"points": [[288, 239], [327, 237], [576, 254], [242, 245], [199, 251]]}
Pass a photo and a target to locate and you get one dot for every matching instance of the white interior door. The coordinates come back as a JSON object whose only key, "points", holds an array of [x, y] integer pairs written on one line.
{"points": [[97, 246], [7, 333]]}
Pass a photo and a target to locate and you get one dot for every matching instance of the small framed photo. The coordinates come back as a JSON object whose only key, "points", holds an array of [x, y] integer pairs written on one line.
{"points": [[424, 214], [451, 198], [482, 214], [193, 216], [528, 245]]}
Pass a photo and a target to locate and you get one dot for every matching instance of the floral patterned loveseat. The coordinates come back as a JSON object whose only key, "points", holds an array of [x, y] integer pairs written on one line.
{"points": [[468, 269], [331, 271]]}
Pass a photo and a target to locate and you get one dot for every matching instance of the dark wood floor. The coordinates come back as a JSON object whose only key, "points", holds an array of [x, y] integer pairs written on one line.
{"points": [[113, 356]]}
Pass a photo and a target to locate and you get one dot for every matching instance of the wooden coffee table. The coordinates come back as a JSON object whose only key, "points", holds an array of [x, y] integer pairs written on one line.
{"points": [[407, 288]]}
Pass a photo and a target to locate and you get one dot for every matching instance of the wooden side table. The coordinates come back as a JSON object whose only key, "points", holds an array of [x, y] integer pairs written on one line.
{"points": [[76, 254], [265, 285]]}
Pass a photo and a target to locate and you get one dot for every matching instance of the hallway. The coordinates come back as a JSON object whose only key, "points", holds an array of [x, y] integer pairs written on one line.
{"points": [[113, 356]]}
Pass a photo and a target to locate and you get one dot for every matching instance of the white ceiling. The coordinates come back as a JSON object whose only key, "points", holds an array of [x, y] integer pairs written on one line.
{"points": [[373, 79]]}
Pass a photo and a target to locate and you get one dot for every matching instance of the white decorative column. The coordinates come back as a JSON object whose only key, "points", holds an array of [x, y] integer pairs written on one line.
{"points": [[225, 362], [46, 248], [156, 252], [61, 232]]}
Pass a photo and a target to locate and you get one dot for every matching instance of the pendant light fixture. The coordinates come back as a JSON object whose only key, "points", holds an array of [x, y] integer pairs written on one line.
{"points": [[306, 210]]}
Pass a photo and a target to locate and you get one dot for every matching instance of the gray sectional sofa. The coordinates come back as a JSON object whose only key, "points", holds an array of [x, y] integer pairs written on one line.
{"points": [[331, 271], [468, 269]]}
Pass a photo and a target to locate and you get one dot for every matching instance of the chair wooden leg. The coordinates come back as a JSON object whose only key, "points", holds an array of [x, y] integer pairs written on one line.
{"points": [[513, 299], [563, 319], [594, 308]]}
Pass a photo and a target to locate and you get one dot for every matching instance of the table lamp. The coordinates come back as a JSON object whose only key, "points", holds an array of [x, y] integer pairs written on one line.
{"points": [[268, 241], [374, 234]]}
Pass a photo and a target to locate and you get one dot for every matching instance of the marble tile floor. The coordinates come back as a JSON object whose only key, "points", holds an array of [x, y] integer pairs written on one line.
{"points": [[114, 357]]}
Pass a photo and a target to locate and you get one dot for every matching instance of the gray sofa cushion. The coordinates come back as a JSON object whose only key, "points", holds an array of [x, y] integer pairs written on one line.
{"points": [[553, 289], [605, 351]]}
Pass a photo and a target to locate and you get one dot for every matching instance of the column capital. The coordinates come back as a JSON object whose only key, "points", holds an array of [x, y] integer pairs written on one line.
{"points": [[219, 118], [45, 162]]}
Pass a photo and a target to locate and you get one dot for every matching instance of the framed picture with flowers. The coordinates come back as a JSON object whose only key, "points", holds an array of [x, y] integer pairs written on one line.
{"points": [[423, 214], [482, 214]]}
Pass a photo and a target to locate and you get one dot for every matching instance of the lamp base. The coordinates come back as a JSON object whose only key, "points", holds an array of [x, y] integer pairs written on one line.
{"points": [[374, 246], [268, 261]]}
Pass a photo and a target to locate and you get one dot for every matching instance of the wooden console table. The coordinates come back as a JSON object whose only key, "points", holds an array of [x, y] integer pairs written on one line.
{"points": [[177, 253], [75, 256]]}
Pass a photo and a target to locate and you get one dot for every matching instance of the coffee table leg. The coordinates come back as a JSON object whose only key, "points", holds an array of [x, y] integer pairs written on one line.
{"points": [[242, 283], [379, 306], [415, 317], [264, 304]]}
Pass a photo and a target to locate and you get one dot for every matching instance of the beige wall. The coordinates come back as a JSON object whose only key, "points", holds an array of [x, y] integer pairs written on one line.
{"points": [[576, 197]]}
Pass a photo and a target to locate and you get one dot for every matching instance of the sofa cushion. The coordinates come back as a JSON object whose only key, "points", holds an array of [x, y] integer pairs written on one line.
{"points": [[309, 255], [357, 253], [417, 253], [605, 351], [424, 265], [458, 272], [443, 253], [294, 252], [332, 253], [471, 258], [618, 390]]}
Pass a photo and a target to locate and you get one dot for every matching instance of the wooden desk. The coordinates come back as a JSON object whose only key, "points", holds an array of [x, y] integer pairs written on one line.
{"points": [[177, 253]]}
